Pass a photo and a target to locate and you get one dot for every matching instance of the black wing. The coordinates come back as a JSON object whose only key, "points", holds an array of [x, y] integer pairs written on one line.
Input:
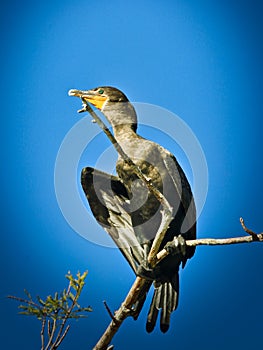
{"points": [[109, 203], [188, 227]]}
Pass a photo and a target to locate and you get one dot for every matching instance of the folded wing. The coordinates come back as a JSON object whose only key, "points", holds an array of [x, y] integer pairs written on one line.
{"points": [[109, 203]]}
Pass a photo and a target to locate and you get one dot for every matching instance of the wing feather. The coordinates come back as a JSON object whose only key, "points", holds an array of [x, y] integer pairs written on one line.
{"points": [[109, 203]]}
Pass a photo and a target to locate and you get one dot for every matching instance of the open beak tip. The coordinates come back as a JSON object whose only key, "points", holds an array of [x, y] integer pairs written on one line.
{"points": [[73, 92]]}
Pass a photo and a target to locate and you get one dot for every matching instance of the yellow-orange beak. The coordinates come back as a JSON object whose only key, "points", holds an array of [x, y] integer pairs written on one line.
{"points": [[91, 96]]}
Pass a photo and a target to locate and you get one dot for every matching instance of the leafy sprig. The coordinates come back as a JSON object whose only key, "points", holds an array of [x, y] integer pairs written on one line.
{"points": [[55, 311]]}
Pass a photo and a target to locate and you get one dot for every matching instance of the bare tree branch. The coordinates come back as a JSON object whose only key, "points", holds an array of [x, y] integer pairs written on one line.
{"points": [[62, 337], [42, 333], [53, 329], [108, 310], [254, 237], [250, 232], [125, 309], [49, 328]]}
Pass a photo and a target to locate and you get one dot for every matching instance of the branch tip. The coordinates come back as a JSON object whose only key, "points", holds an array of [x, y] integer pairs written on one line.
{"points": [[247, 230], [109, 311]]}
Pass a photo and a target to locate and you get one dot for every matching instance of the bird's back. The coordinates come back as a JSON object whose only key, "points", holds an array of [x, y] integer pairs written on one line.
{"points": [[159, 165]]}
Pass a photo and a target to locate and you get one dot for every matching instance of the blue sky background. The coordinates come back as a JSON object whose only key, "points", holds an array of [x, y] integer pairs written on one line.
{"points": [[200, 59]]}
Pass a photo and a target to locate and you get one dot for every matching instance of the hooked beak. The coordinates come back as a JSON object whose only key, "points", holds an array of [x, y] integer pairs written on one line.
{"points": [[91, 96]]}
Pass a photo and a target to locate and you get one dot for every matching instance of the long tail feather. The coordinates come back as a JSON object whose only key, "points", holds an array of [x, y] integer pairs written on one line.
{"points": [[165, 298], [153, 312], [141, 299]]}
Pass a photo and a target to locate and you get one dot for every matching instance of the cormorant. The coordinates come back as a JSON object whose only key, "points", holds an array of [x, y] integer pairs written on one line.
{"points": [[130, 213]]}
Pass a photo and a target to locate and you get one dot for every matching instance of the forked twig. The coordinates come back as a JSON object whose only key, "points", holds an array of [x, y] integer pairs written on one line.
{"points": [[247, 230]]}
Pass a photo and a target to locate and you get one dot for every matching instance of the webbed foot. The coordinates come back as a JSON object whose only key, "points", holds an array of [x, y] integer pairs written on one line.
{"points": [[177, 246], [145, 271]]}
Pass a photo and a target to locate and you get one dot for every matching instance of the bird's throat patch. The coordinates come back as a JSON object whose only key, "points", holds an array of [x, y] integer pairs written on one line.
{"points": [[97, 101]]}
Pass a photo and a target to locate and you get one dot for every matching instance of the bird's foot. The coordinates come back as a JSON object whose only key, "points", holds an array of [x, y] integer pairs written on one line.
{"points": [[145, 271], [177, 246]]}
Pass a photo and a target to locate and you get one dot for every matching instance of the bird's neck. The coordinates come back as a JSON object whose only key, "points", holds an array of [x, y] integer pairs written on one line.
{"points": [[122, 118], [124, 132]]}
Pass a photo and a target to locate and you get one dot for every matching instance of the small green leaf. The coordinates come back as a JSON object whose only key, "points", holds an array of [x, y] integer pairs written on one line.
{"points": [[42, 302], [71, 296]]}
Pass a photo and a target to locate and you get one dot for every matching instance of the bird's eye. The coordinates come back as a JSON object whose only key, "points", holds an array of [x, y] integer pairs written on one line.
{"points": [[101, 91]]}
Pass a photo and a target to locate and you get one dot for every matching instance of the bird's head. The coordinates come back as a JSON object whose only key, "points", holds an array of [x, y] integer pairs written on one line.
{"points": [[112, 102]]}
